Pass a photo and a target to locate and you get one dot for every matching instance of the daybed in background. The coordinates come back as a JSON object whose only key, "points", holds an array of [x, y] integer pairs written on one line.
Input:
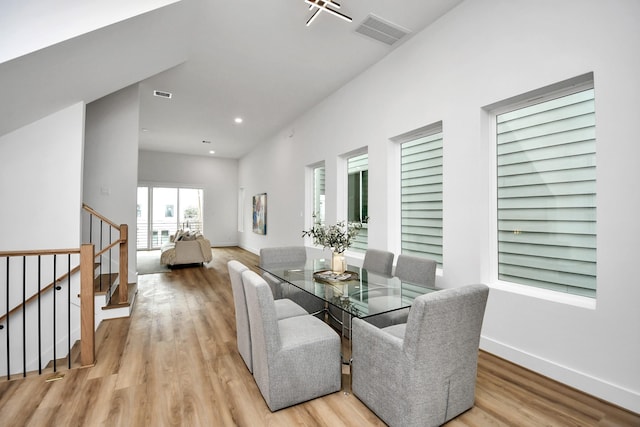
{"points": [[186, 247]]}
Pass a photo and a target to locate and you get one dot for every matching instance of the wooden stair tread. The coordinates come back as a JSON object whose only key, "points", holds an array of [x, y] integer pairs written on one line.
{"points": [[47, 372], [62, 362], [133, 289], [107, 280]]}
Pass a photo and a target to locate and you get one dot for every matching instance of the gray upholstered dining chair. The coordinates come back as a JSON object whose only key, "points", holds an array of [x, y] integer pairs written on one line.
{"points": [[279, 257], [416, 270], [294, 359], [378, 261], [284, 308], [423, 372], [288, 256]]}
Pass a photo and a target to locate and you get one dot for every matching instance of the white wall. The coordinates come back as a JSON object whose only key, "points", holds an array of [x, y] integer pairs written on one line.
{"points": [[41, 182], [217, 177], [111, 162], [482, 52], [275, 169], [41, 198]]}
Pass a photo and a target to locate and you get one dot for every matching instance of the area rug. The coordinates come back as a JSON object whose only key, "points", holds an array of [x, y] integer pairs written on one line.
{"points": [[149, 263]]}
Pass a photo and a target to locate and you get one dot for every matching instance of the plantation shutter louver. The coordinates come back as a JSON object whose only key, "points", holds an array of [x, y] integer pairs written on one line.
{"points": [[547, 194], [421, 197], [319, 194]]}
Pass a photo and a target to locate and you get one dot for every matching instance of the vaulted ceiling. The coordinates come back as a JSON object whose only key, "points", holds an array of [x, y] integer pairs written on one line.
{"points": [[253, 59]]}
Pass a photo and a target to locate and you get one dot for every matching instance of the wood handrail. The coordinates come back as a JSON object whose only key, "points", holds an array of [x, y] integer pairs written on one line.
{"points": [[122, 241], [87, 320], [86, 269], [58, 280], [50, 285], [106, 249], [102, 217], [39, 252]]}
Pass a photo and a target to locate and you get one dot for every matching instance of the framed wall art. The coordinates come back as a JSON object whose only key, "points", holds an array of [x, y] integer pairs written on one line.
{"points": [[260, 213]]}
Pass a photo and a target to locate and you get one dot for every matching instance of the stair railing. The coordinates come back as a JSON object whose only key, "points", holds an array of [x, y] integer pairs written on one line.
{"points": [[33, 311], [47, 307], [96, 235]]}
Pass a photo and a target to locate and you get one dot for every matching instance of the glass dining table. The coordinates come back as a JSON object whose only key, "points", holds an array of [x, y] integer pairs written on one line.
{"points": [[354, 293]]}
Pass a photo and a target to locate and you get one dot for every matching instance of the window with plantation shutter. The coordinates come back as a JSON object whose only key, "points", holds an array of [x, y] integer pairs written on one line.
{"points": [[358, 198], [421, 197], [546, 184], [318, 194]]}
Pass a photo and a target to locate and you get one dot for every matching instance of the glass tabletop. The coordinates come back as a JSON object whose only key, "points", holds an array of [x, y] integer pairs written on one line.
{"points": [[358, 292]]}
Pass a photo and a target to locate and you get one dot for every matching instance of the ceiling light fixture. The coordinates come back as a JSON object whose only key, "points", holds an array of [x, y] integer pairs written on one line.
{"points": [[323, 5], [238, 120], [212, 152]]}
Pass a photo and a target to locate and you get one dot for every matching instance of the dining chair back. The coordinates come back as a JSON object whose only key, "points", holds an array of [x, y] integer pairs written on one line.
{"points": [[378, 261], [423, 372], [294, 359], [279, 257], [288, 256], [236, 269], [284, 308], [416, 270]]}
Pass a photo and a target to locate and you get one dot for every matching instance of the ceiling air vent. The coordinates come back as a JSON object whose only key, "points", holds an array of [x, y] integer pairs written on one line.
{"points": [[162, 94], [381, 30]]}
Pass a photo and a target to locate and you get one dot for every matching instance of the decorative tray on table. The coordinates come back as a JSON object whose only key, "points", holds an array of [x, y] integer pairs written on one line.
{"points": [[328, 276]]}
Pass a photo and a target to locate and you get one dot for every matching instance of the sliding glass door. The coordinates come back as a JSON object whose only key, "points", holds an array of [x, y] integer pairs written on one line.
{"points": [[164, 210]]}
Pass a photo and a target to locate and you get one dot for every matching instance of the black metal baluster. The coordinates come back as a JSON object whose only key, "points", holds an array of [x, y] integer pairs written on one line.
{"points": [[24, 316], [39, 315], [90, 228], [54, 313]]}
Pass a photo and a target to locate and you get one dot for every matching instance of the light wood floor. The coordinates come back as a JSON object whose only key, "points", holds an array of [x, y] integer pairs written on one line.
{"points": [[174, 362]]}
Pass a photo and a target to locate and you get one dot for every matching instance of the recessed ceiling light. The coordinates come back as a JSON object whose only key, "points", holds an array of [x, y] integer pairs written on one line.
{"points": [[238, 120], [212, 152]]}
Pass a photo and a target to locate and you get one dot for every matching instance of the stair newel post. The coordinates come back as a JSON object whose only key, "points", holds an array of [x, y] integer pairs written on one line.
{"points": [[87, 314], [124, 263]]}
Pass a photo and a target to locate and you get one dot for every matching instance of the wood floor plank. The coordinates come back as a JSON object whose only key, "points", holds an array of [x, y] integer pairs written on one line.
{"points": [[524, 383], [175, 362], [24, 397]]}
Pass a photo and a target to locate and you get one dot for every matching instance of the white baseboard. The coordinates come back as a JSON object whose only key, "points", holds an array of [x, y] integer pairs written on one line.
{"points": [[223, 244], [613, 393], [252, 250]]}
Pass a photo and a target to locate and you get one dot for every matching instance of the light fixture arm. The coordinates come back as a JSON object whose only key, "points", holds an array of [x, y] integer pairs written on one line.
{"points": [[323, 5]]}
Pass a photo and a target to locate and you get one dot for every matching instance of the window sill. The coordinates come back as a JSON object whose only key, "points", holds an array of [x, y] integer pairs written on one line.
{"points": [[545, 294]]}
